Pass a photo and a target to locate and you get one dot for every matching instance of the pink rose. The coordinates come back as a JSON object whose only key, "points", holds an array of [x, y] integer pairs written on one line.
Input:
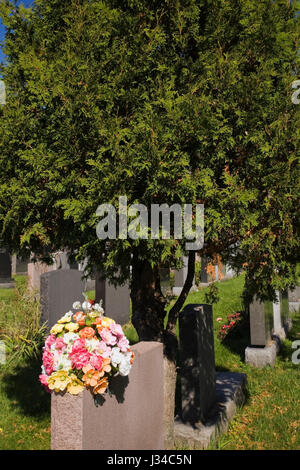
{"points": [[48, 361], [43, 380], [123, 344], [49, 341], [96, 362], [116, 329], [104, 350], [60, 344], [80, 358], [108, 337], [78, 345]]}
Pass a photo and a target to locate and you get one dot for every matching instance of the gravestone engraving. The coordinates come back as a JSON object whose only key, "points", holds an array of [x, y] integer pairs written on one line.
{"points": [[5, 268], [197, 358], [59, 290], [116, 300]]}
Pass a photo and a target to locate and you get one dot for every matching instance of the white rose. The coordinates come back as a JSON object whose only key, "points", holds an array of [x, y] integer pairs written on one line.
{"points": [[116, 356], [76, 305], [124, 368]]}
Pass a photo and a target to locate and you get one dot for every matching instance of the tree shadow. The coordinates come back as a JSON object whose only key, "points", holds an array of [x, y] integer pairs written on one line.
{"points": [[23, 388]]}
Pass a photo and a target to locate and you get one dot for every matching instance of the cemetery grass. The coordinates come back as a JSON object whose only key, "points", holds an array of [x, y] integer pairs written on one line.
{"points": [[268, 420], [24, 405]]}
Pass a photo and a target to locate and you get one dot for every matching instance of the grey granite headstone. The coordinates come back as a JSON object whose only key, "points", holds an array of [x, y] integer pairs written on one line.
{"points": [[116, 300], [294, 299], [197, 357], [261, 322], [180, 277], [59, 290], [165, 283], [203, 272]]}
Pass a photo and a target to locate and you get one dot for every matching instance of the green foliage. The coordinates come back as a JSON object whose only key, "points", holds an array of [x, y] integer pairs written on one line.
{"points": [[212, 294], [165, 102], [20, 327]]}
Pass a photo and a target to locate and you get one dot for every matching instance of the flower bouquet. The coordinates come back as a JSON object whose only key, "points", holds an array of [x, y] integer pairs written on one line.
{"points": [[84, 350]]}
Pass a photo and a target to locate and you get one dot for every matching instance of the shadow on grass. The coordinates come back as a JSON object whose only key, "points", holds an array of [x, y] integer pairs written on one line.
{"points": [[23, 388]]}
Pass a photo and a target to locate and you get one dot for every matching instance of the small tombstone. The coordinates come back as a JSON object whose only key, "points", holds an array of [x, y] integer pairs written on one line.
{"points": [[294, 299], [5, 268], [19, 265], [203, 272], [197, 357], [59, 290], [261, 322], [165, 283], [34, 272], [180, 277], [116, 300]]}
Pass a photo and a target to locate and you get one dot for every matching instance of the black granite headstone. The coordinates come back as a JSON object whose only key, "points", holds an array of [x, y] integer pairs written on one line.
{"points": [[197, 357], [5, 266], [116, 300], [59, 290]]}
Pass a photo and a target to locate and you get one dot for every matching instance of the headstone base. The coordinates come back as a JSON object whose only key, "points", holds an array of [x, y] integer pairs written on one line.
{"points": [[7, 285], [262, 357], [177, 290], [230, 388]]}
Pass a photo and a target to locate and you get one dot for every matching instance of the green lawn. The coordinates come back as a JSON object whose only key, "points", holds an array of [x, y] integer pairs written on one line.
{"points": [[269, 419]]}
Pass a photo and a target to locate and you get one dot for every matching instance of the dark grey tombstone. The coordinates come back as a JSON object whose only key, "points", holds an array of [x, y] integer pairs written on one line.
{"points": [[203, 272], [197, 358], [116, 300], [165, 282], [59, 290], [261, 322], [5, 268]]}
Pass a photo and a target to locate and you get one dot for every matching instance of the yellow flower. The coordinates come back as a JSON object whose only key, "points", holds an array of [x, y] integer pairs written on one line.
{"points": [[58, 381], [71, 326], [64, 319], [106, 322], [75, 386], [56, 329]]}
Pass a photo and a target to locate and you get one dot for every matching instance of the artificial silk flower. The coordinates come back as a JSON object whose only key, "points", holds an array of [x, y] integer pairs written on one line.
{"points": [[58, 381], [75, 386], [101, 386], [56, 329], [66, 318], [77, 355], [71, 326]]}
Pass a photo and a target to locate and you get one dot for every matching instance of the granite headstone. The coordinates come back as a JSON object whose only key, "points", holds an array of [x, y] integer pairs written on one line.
{"points": [[59, 290], [197, 359], [116, 300]]}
